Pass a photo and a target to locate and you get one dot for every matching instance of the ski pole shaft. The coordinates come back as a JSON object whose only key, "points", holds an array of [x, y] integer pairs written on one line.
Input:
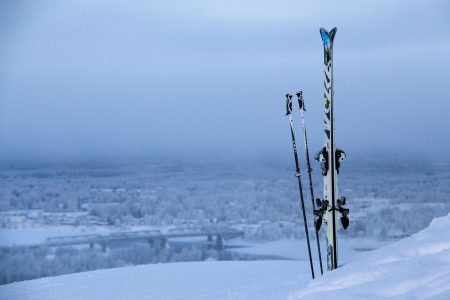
{"points": [[297, 174], [301, 104]]}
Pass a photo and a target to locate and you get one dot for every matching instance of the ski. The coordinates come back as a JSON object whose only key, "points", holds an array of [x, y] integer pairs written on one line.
{"points": [[297, 174], [301, 105], [330, 158]]}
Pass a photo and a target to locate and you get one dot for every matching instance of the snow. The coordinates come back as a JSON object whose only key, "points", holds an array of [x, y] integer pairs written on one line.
{"points": [[194, 280], [417, 267], [286, 248], [37, 235], [296, 249]]}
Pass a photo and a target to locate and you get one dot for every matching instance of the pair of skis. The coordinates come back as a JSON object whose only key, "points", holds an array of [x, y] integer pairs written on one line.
{"points": [[330, 158]]}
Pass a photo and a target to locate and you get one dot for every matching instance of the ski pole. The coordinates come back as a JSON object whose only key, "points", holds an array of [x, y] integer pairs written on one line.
{"points": [[297, 174], [301, 105]]}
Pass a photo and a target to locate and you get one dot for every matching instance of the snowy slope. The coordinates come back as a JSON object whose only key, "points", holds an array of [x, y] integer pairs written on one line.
{"points": [[414, 268], [195, 280], [417, 267]]}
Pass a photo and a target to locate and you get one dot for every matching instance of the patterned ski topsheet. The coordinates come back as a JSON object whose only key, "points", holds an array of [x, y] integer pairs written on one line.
{"points": [[330, 178]]}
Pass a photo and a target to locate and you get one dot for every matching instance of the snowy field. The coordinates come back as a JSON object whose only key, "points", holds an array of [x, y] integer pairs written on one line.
{"points": [[297, 250], [417, 267], [197, 280], [38, 235]]}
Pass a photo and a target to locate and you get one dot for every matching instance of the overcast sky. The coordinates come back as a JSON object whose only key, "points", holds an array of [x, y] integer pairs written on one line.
{"points": [[106, 79]]}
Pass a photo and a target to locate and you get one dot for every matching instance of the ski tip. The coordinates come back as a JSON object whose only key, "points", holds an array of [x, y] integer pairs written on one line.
{"points": [[333, 33], [327, 37]]}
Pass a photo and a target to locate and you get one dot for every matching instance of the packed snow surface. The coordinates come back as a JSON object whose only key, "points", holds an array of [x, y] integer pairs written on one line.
{"points": [[193, 280], [417, 267]]}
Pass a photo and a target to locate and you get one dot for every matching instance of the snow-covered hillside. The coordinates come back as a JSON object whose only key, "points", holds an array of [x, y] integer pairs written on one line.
{"points": [[417, 267], [194, 280], [414, 268]]}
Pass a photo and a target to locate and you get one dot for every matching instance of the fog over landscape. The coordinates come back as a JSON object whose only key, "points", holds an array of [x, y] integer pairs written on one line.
{"points": [[206, 79]]}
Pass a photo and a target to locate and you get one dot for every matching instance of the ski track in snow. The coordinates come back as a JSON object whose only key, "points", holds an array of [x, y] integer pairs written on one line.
{"points": [[417, 267]]}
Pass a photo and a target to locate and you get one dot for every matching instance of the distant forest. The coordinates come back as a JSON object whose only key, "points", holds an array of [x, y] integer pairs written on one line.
{"points": [[165, 194], [261, 198]]}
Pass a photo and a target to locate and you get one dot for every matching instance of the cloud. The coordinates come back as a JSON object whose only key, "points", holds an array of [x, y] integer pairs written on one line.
{"points": [[174, 77]]}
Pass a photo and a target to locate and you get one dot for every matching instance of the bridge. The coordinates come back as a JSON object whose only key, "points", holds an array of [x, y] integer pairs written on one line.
{"points": [[155, 238]]}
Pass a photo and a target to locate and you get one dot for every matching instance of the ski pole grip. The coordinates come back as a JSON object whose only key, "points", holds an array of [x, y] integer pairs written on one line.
{"points": [[301, 104], [288, 104]]}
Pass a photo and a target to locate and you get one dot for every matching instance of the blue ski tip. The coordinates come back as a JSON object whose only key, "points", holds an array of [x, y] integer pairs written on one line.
{"points": [[327, 37]]}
